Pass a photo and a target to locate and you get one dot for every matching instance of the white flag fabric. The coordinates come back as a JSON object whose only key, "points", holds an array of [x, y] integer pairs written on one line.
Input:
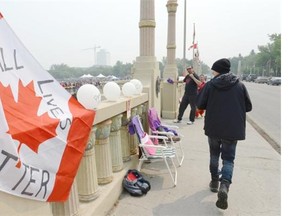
{"points": [[43, 130]]}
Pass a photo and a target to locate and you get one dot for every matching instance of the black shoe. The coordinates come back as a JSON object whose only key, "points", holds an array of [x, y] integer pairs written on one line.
{"points": [[222, 201], [214, 185]]}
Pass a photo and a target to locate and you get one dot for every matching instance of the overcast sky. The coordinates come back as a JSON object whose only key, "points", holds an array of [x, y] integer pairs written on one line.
{"points": [[57, 32]]}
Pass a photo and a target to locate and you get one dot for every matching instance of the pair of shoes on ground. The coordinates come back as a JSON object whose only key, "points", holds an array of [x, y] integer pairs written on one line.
{"points": [[222, 201], [179, 121]]}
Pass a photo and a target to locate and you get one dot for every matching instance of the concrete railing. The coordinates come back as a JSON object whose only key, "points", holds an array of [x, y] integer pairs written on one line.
{"points": [[109, 153]]}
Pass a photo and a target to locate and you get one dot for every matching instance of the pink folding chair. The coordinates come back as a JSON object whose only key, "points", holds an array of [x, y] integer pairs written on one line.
{"points": [[153, 152], [170, 131]]}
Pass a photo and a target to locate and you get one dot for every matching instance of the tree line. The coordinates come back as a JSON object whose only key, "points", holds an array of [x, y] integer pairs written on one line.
{"points": [[266, 62]]}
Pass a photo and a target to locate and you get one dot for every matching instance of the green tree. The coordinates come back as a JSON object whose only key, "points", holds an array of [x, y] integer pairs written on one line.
{"points": [[266, 62], [269, 57], [122, 70]]}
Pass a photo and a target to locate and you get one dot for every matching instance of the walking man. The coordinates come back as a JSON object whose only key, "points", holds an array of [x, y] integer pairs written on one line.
{"points": [[226, 102]]}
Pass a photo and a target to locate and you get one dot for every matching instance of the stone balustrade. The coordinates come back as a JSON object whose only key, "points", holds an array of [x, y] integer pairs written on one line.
{"points": [[109, 153]]}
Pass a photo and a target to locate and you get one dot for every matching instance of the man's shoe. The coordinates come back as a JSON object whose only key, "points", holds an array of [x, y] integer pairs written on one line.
{"points": [[222, 201], [177, 121], [214, 185], [189, 123]]}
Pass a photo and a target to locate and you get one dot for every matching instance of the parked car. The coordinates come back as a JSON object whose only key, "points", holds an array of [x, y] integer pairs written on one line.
{"points": [[251, 77], [274, 81], [243, 77], [261, 79]]}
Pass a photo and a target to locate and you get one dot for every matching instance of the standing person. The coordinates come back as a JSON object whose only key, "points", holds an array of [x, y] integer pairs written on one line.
{"points": [[226, 101], [189, 97], [200, 83]]}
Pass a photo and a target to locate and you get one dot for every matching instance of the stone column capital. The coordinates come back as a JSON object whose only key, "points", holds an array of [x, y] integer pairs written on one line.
{"points": [[116, 123], [172, 6], [103, 130]]}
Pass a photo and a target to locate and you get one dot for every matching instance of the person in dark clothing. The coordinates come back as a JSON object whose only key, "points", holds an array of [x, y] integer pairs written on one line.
{"points": [[189, 97], [226, 101]]}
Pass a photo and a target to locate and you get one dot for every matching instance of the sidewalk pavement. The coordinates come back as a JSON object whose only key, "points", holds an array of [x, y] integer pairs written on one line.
{"points": [[256, 187]]}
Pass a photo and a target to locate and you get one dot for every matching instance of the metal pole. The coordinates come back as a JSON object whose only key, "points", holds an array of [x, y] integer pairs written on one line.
{"points": [[193, 60], [184, 40]]}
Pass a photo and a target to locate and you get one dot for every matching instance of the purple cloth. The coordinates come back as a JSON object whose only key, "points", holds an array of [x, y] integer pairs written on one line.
{"points": [[170, 81], [155, 123], [135, 126]]}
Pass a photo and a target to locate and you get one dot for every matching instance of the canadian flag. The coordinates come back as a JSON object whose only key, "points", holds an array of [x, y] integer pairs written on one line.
{"points": [[43, 130], [193, 46]]}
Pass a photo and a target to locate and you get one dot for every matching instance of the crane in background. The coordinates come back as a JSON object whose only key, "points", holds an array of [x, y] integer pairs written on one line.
{"points": [[95, 53]]}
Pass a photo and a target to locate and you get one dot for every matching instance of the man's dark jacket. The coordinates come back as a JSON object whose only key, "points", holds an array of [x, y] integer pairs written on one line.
{"points": [[226, 102]]}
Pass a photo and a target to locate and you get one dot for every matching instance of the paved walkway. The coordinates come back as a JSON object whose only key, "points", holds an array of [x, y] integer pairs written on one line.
{"points": [[256, 188]]}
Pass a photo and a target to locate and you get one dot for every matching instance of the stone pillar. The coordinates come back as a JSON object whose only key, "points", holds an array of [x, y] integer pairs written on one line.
{"points": [[125, 138], [87, 174], [69, 207], [115, 144], [239, 69], [103, 153], [169, 92], [171, 37], [146, 67], [133, 140]]}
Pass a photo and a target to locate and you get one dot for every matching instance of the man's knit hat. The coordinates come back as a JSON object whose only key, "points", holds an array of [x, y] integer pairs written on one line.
{"points": [[221, 66]]}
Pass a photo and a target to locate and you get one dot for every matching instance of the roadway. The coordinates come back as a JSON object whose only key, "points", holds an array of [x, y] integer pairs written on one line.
{"points": [[266, 112]]}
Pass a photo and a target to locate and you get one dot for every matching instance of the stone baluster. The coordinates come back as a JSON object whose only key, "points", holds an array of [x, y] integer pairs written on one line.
{"points": [[133, 140], [140, 112], [103, 153], [69, 207], [145, 117], [87, 182], [115, 144], [125, 138]]}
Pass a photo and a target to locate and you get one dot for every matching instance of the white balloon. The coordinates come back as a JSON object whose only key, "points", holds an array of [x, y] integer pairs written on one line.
{"points": [[112, 91], [138, 85], [128, 89], [89, 96]]}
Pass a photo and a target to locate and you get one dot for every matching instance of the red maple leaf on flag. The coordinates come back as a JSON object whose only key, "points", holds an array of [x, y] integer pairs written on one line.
{"points": [[22, 119]]}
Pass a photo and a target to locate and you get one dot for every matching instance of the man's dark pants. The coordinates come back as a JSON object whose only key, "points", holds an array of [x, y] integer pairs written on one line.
{"points": [[186, 100], [227, 149]]}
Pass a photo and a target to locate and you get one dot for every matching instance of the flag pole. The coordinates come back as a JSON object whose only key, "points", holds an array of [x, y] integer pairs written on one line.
{"points": [[193, 43], [184, 40]]}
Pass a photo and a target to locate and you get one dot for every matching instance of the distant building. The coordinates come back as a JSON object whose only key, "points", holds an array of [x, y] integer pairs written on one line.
{"points": [[103, 58]]}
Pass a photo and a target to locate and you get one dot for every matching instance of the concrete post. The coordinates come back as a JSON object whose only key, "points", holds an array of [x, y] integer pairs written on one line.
{"points": [[125, 138], [115, 144], [169, 91], [239, 69], [145, 117], [87, 183], [103, 153], [146, 67], [133, 140], [69, 207]]}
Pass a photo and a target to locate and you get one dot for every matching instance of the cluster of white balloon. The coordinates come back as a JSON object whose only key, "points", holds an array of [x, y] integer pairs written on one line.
{"points": [[90, 97]]}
